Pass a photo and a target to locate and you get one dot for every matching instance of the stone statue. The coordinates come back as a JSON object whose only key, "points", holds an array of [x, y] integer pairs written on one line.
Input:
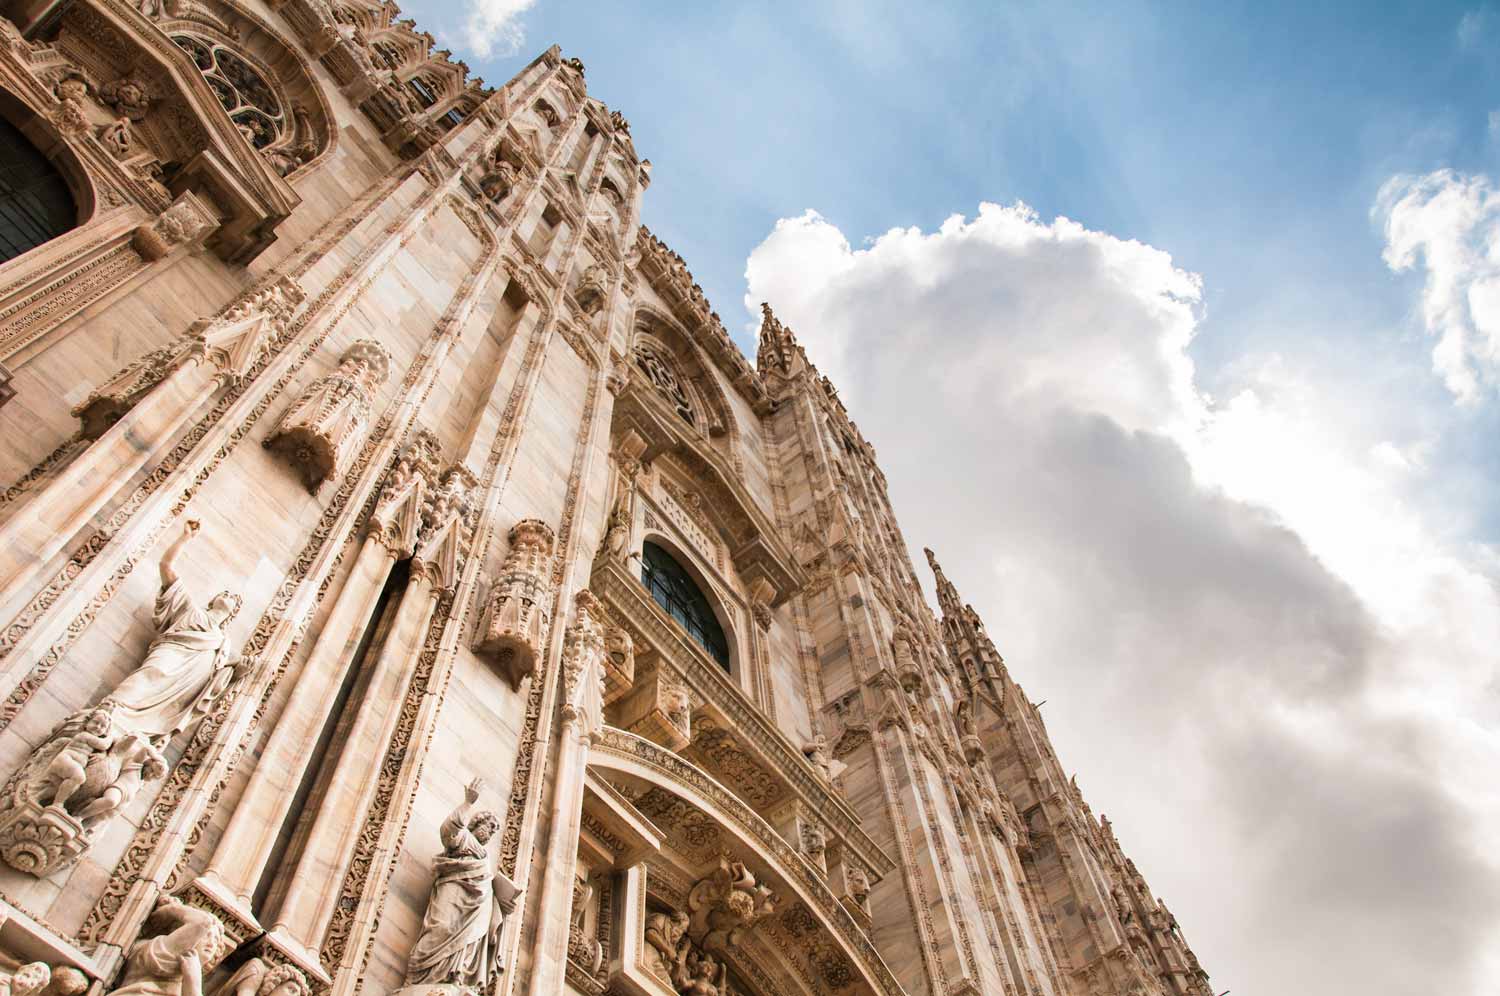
{"points": [[98, 760], [38, 978], [258, 978], [189, 666], [704, 976], [460, 939], [177, 945], [821, 758], [616, 544], [666, 946]]}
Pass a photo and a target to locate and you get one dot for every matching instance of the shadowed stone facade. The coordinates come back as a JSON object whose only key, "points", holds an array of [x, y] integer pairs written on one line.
{"points": [[407, 585]]}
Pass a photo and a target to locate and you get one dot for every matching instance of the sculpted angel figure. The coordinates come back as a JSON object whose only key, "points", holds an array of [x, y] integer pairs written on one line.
{"points": [[189, 666], [460, 939]]}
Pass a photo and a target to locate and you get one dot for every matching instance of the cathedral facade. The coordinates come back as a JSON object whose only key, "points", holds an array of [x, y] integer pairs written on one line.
{"points": [[407, 586]]}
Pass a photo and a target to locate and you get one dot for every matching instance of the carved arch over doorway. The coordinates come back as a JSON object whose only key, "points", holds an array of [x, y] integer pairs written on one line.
{"points": [[809, 942]]}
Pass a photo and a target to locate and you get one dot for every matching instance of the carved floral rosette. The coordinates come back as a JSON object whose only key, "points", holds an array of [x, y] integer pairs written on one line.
{"points": [[323, 428], [513, 629]]}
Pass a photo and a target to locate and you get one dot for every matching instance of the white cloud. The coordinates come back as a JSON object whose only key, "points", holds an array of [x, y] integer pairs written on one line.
{"points": [[1239, 597], [1449, 224], [494, 28]]}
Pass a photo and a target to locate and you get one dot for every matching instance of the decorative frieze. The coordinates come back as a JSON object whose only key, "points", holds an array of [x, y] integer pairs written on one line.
{"points": [[323, 429], [513, 629]]}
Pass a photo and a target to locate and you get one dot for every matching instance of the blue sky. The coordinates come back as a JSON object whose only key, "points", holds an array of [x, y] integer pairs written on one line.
{"points": [[1239, 519], [1249, 140]]}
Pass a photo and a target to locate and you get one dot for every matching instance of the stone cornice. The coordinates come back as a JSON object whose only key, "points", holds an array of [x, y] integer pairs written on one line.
{"points": [[631, 605]]}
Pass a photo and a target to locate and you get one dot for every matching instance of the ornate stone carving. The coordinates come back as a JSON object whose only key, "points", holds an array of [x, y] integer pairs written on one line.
{"points": [[583, 658], [814, 842], [858, 884], [583, 949], [129, 96], [258, 977], [619, 663], [397, 519], [98, 759], [231, 343], [821, 758], [459, 941], [321, 431], [593, 289], [187, 220], [71, 116], [727, 903], [448, 513], [38, 978], [513, 630], [178, 945], [499, 181]]}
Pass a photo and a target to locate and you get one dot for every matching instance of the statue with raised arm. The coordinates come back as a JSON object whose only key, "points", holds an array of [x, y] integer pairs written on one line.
{"points": [[189, 665], [97, 761], [459, 944]]}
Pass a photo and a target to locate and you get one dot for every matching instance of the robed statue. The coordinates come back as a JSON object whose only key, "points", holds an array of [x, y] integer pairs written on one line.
{"points": [[189, 665], [99, 759], [459, 944]]}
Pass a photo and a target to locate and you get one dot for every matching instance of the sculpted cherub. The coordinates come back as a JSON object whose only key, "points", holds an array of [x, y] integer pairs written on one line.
{"points": [[132, 762], [67, 771]]}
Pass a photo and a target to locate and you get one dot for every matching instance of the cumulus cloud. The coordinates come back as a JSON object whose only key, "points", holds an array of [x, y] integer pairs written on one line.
{"points": [[1449, 225], [494, 27], [1280, 706]]}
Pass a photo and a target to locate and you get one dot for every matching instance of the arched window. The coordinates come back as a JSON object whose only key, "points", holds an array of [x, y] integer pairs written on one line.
{"points": [[35, 204], [246, 95], [425, 90], [664, 378], [676, 592]]}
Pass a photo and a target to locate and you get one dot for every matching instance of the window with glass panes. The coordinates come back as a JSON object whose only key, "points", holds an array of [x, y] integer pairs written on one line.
{"points": [[677, 593]]}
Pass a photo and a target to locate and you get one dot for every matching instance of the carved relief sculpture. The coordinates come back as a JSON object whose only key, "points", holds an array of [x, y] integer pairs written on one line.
{"points": [[728, 902], [98, 759], [513, 630], [593, 289], [323, 429], [256, 977], [458, 944], [177, 945], [37, 978]]}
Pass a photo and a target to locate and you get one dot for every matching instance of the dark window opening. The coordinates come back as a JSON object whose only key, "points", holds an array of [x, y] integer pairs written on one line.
{"points": [[454, 118], [424, 93], [35, 203], [677, 593]]}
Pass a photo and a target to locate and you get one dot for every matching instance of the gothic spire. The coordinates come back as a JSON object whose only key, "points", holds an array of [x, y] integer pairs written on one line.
{"points": [[947, 595], [777, 344]]}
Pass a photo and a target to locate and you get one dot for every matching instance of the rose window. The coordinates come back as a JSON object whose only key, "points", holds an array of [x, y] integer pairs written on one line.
{"points": [[247, 98], [664, 379]]}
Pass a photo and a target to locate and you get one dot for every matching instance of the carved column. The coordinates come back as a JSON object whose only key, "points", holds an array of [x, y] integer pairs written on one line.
{"points": [[313, 887], [323, 429], [582, 717], [130, 418], [240, 858]]}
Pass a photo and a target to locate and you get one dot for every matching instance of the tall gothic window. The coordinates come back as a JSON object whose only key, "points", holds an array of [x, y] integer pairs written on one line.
{"points": [[248, 98], [664, 378], [676, 592], [35, 204]]}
